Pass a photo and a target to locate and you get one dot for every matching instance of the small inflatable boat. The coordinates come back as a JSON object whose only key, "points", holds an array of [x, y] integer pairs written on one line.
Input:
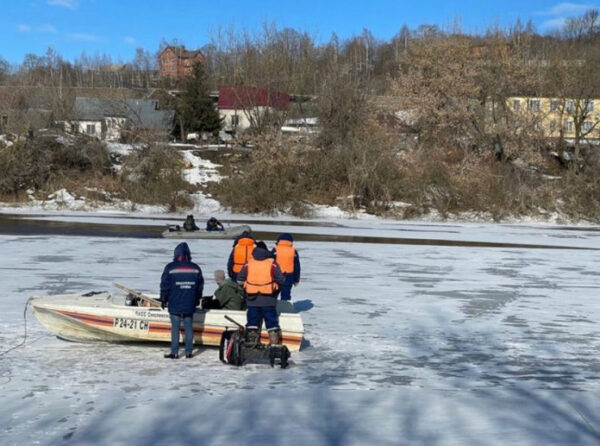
{"points": [[229, 233]]}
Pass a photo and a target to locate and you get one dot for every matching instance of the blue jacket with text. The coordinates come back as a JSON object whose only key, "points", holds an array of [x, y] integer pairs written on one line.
{"points": [[181, 283]]}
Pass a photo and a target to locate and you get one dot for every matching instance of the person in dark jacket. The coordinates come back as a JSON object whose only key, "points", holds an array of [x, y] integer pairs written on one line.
{"points": [[181, 287], [240, 253], [288, 260], [261, 278], [190, 224], [228, 296], [214, 225]]}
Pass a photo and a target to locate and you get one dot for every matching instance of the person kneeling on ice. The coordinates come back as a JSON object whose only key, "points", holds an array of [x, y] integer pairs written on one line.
{"points": [[242, 248], [214, 225], [181, 290], [261, 278], [228, 296], [288, 260]]}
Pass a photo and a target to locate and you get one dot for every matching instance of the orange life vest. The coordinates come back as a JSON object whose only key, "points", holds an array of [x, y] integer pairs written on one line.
{"points": [[259, 277], [285, 253], [241, 253]]}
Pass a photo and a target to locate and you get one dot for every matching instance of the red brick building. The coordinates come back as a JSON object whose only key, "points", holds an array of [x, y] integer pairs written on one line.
{"points": [[177, 62]]}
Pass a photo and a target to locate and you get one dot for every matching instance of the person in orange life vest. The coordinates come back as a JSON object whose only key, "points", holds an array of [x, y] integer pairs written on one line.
{"points": [[242, 248], [288, 260], [261, 277]]}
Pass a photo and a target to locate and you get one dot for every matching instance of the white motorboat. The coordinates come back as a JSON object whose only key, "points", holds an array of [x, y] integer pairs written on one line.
{"points": [[230, 232], [105, 317]]}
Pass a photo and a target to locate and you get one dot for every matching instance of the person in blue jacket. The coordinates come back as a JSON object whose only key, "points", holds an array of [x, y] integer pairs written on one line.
{"points": [[214, 225], [181, 287]]}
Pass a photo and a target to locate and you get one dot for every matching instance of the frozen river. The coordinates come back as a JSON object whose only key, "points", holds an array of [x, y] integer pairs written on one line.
{"points": [[406, 343]]}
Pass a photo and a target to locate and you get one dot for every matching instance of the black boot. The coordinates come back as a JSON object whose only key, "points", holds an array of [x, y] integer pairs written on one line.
{"points": [[171, 356]]}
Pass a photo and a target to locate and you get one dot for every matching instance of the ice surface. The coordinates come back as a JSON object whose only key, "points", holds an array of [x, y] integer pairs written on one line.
{"points": [[405, 344]]}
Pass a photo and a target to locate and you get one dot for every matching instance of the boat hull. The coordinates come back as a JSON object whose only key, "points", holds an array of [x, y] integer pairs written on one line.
{"points": [[228, 233], [100, 318]]}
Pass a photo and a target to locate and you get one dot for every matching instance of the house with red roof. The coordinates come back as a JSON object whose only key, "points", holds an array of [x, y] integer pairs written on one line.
{"points": [[241, 107]]}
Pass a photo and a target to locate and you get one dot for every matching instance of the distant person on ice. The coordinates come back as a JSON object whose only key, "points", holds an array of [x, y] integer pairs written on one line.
{"points": [[181, 290], [242, 248], [228, 296], [288, 260], [261, 278], [214, 225], [190, 224]]}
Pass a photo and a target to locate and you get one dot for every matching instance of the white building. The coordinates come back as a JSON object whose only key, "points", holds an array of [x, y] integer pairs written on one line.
{"points": [[239, 105], [106, 119]]}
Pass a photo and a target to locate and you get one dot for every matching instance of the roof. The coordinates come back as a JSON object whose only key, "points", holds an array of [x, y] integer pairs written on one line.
{"points": [[240, 97], [182, 52], [142, 113]]}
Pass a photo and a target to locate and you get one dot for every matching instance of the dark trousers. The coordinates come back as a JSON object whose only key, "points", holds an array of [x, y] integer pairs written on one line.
{"points": [[256, 315], [286, 288], [189, 332]]}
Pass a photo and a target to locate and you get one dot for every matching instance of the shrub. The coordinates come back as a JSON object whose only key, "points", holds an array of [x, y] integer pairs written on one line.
{"points": [[283, 176], [271, 179], [152, 174], [43, 162]]}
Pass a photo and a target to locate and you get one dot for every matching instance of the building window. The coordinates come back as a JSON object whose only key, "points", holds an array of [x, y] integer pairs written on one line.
{"points": [[552, 126], [587, 126], [554, 105], [569, 126], [570, 106], [235, 120], [74, 127], [90, 129], [589, 106], [534, 105], [516, 105]]}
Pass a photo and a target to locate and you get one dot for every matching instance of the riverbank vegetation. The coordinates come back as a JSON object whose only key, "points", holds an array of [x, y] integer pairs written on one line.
{"points": [[432, 120]]}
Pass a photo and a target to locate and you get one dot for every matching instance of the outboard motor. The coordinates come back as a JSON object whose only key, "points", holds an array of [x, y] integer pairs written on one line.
{"points": [[239, 346], [132, 301]]}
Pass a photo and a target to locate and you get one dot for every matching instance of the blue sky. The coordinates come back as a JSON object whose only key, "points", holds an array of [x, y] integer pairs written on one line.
{"points": [[117, 27]]}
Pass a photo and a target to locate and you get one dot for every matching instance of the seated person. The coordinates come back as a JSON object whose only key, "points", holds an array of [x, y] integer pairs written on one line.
{"points": [[190, 224], [214, 225], [228, 296]]}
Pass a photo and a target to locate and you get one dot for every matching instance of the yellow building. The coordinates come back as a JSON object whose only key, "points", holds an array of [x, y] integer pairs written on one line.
{"points": [[552, 114]]}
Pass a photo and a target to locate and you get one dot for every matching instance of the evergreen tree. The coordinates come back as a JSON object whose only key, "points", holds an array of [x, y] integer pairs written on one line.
{"points": [[195, 109]]}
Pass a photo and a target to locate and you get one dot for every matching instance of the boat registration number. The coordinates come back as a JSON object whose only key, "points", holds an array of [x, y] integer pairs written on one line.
{"points": [[131, 324]]}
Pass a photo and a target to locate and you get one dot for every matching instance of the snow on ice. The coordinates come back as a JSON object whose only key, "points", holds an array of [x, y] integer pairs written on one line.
{"points": [[405, 344]]}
